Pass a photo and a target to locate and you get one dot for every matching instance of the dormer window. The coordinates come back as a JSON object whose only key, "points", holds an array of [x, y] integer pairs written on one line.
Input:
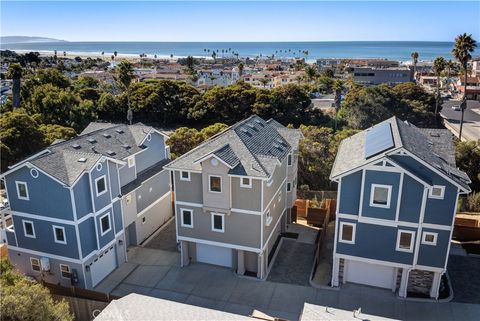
{"points": [[437, 191], [185, 176], [215, 184], [289, 160], [101, 185], [380, 195], [246, 182], [22, 190]]}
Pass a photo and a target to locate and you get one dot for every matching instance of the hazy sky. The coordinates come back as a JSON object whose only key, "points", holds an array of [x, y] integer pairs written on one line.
{"points": [[240, 20]]}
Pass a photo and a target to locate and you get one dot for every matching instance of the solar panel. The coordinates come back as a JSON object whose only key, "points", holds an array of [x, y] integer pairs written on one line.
{"points": [[378, 139]]}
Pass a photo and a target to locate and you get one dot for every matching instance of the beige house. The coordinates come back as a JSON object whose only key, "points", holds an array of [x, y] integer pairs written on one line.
{"points": [[233, 194]]}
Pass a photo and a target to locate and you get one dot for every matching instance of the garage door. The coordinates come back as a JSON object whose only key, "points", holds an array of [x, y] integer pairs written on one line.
{"points": [[370, 274], [103, 266], [214, 255]]}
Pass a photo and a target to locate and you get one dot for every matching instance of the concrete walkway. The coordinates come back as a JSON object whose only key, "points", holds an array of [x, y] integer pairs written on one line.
{"points": [[157, 273]]}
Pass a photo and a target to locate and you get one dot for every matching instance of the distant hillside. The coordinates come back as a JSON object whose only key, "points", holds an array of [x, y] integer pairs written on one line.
{"points": [[25, 39]]}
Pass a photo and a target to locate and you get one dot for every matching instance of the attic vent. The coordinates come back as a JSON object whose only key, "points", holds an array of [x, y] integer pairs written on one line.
{"points": [[126, 146], [259, 122], [106, 135], [244, 130], [110, 152], [91, 140], [76, 146], [434, 134], [82, 160], [118, 130], [252, 126]]}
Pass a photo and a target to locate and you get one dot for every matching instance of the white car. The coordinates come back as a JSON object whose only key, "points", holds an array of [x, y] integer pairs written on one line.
{"points": [[456, 107]]}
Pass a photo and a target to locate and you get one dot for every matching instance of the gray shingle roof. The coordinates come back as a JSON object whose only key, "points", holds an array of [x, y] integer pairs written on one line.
{"points": [[434, 146], [67, 160], [252, 147]]}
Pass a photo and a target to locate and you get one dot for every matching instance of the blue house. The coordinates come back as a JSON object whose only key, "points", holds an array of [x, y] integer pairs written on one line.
{"points": [[398, 187], [77, 205]]}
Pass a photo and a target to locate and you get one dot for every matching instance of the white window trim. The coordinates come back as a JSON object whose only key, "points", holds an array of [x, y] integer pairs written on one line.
{"points": [[96, 185], [210, 185], [61, 272], [430, 191], [188, 179], [25, 198], [182, 223], [249, 185], [54, 227], [389, 195], [39, 264], [131, 161], [102, 233], [270, 181], [412, 241], [213, 214], [25, 229], [354, 229], [290, 159], [289, 185], [435, 237]]}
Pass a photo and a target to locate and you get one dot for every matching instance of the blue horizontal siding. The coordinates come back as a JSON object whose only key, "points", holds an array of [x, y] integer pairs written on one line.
{"points": [[350, 193], [411, 201]]}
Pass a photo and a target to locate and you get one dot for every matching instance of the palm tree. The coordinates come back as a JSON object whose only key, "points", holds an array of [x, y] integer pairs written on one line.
{"points": [[438, 67], [115, 54], [464, 46], [124, 75], [240, 69], [263, 81], [310, 72], [15, 73], [414, 56], [449, 66]]}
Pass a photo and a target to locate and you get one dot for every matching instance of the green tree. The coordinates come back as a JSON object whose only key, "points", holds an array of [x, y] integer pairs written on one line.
{"points": [[311, 73], [462, 51], [22, 299], [124, 75], [54, 132], [15, 73], [241, 67], [468, 160], [20, 136], [191, 64], [439, 65]]}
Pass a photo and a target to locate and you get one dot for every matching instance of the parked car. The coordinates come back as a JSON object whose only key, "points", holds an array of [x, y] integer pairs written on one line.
{"points": [[456, 107]]}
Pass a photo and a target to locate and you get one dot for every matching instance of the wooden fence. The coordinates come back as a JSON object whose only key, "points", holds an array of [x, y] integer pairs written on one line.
{"points": [[83, 309], [79, 292]]}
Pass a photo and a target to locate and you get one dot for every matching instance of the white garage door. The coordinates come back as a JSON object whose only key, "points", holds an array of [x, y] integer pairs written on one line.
{"points": [[370, 274], [214, 255], [103, 266]]}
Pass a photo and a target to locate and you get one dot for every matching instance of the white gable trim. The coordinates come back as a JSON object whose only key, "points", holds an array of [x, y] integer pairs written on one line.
{"points": [[209, 155]]}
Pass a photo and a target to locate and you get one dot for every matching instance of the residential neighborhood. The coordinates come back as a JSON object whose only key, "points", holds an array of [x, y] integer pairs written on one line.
{"points": [[314, 160]]}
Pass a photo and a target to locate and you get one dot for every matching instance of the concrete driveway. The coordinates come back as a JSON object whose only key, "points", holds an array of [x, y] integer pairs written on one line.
{"points": [[157, 273]]}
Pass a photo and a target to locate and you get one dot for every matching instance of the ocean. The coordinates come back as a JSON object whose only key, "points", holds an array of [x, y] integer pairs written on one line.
{"points": [[394, 50]]}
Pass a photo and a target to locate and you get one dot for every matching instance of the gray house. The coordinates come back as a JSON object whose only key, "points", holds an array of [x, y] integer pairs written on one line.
{"points": [[374, 76], [398, 187], [78, 204], [233, 194]]}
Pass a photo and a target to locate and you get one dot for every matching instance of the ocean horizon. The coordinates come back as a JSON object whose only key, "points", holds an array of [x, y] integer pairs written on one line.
{"points": [[394, 50]]}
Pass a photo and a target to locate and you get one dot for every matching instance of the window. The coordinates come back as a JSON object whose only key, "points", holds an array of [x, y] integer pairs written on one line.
{"points": [[35, 263], [22, 190], [28, 229], [437, 191], [347, 232], [185, 176], [105, 224], [429, 238], [289, 187], [131, 161], [245, 182], [65, 271], [59, 234], [218, 222], [101, 185], [215, 185], [380, 195], [405, 241], [34, 173], [187, 217], [268, 218], [289, 160]]}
